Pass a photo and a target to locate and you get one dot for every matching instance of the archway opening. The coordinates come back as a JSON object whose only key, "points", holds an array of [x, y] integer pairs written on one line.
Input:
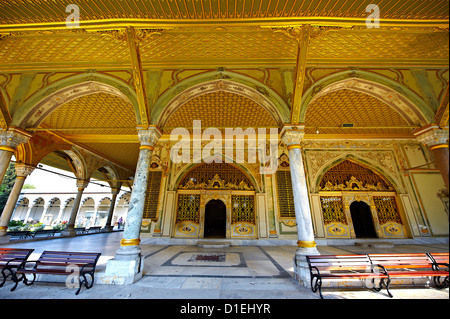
{"points": [[215, 219], [362, 220]]}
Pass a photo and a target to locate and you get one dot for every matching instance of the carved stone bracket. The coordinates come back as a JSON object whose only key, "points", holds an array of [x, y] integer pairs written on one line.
{"points": [[432, 135], [23, 170], [13, 137]]}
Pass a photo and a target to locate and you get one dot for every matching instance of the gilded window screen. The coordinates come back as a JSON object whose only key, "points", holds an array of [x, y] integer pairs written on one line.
{"points": [[188, 208], [343, 172], [205, 172], [333, 209], [243, 209], [152, 195], [285, 195], [387, 209]]}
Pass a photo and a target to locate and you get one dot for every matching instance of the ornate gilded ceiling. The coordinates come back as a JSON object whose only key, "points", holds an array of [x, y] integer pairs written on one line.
{"points": [[68, 49], [99, 113], [368, 115], [220, 109], [41, 11], [178, 40]]}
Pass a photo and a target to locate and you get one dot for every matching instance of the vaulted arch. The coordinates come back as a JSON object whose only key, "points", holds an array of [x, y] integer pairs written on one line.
{"points": [[399, 97], [36, 108], [215, 81]]}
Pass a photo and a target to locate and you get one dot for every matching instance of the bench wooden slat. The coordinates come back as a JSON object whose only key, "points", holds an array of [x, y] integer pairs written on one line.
{"points": [[378, 266], [59, 263]]}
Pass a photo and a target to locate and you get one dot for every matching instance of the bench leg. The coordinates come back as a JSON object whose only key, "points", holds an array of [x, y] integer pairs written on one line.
{"points": [[4, 276], [85, 282], [437, 282], [386, 284], [316, 284]]}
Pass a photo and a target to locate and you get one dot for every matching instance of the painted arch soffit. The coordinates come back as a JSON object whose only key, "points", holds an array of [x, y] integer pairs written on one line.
{"points": [[413, 113], [183, 93], [34, 111]]}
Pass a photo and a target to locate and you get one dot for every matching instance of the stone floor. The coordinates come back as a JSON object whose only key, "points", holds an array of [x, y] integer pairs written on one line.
{"points": [[186, 272]]}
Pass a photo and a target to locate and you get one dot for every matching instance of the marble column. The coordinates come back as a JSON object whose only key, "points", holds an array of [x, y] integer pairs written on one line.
{"points": [[436, 139], [108, 227], [9, 140], [70, 230], [292, 136], [126, 267], [22, 171]]}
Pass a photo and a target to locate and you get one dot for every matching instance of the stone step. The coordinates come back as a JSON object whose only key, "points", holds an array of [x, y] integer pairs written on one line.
{"points": [[375, 244], [214, 244]]}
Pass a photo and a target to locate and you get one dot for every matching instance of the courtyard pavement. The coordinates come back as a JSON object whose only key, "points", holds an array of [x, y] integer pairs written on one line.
{"points": [[183, 273]]}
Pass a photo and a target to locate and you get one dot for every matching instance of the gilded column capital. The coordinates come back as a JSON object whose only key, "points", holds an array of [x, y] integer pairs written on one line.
{"points": [[149, 137], [23, 170], [292, 135], [82, 184], [11, 138], [432, 135]]}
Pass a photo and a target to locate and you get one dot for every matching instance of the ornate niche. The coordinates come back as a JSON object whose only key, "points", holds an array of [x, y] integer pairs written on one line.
{"points": [[216, 181], [349, 182]]}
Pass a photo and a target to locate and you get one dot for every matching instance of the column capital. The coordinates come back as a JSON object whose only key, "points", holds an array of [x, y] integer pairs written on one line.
{"points": [[292, 135], [12, 137], [82, 184], [432, 135], [149, 137], [23, 170]]}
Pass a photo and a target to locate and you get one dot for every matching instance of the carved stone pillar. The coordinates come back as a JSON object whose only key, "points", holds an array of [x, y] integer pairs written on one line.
{"points": [[437, 140], [292, 136], [70, 230], [22, 171], [126, 267], [9, 140]]}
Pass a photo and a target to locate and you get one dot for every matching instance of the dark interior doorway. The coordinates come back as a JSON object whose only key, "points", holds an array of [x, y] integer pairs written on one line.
{"points": [[362, 220], [215, 219]]}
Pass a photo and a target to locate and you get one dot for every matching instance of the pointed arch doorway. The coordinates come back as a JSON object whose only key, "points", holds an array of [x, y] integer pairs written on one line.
{"points": [[362, 220], [215, 219]]}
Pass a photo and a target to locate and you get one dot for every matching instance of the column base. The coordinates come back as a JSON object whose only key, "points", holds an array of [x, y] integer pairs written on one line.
{"points": [[4, 239], [125, 268], [301, 267], [69, 232], [107, 229]]}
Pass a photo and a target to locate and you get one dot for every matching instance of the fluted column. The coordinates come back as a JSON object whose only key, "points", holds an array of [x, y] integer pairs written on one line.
{"points": [[22, 171], [292, 136], [70, 230], [9, 140], [436, 139], [125, 267]]}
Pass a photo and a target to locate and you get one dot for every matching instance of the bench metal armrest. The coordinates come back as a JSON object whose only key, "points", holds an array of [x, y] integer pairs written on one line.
{"points": [[383, 270], [14, 260], [82, 271], [435, 266], [316, 269], [22, 265]]}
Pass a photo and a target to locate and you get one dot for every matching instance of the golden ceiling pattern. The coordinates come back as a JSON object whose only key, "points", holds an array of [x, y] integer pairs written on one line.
{"points": [[330, 111], [226, 46], [220, 109], [99, 113], [62, 47], [126, 154], [22, 11]]}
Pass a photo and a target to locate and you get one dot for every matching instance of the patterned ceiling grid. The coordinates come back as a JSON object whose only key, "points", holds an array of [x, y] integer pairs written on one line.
{"points": [[221, 109], [92, 113], [346, 106], [22, 11]]}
